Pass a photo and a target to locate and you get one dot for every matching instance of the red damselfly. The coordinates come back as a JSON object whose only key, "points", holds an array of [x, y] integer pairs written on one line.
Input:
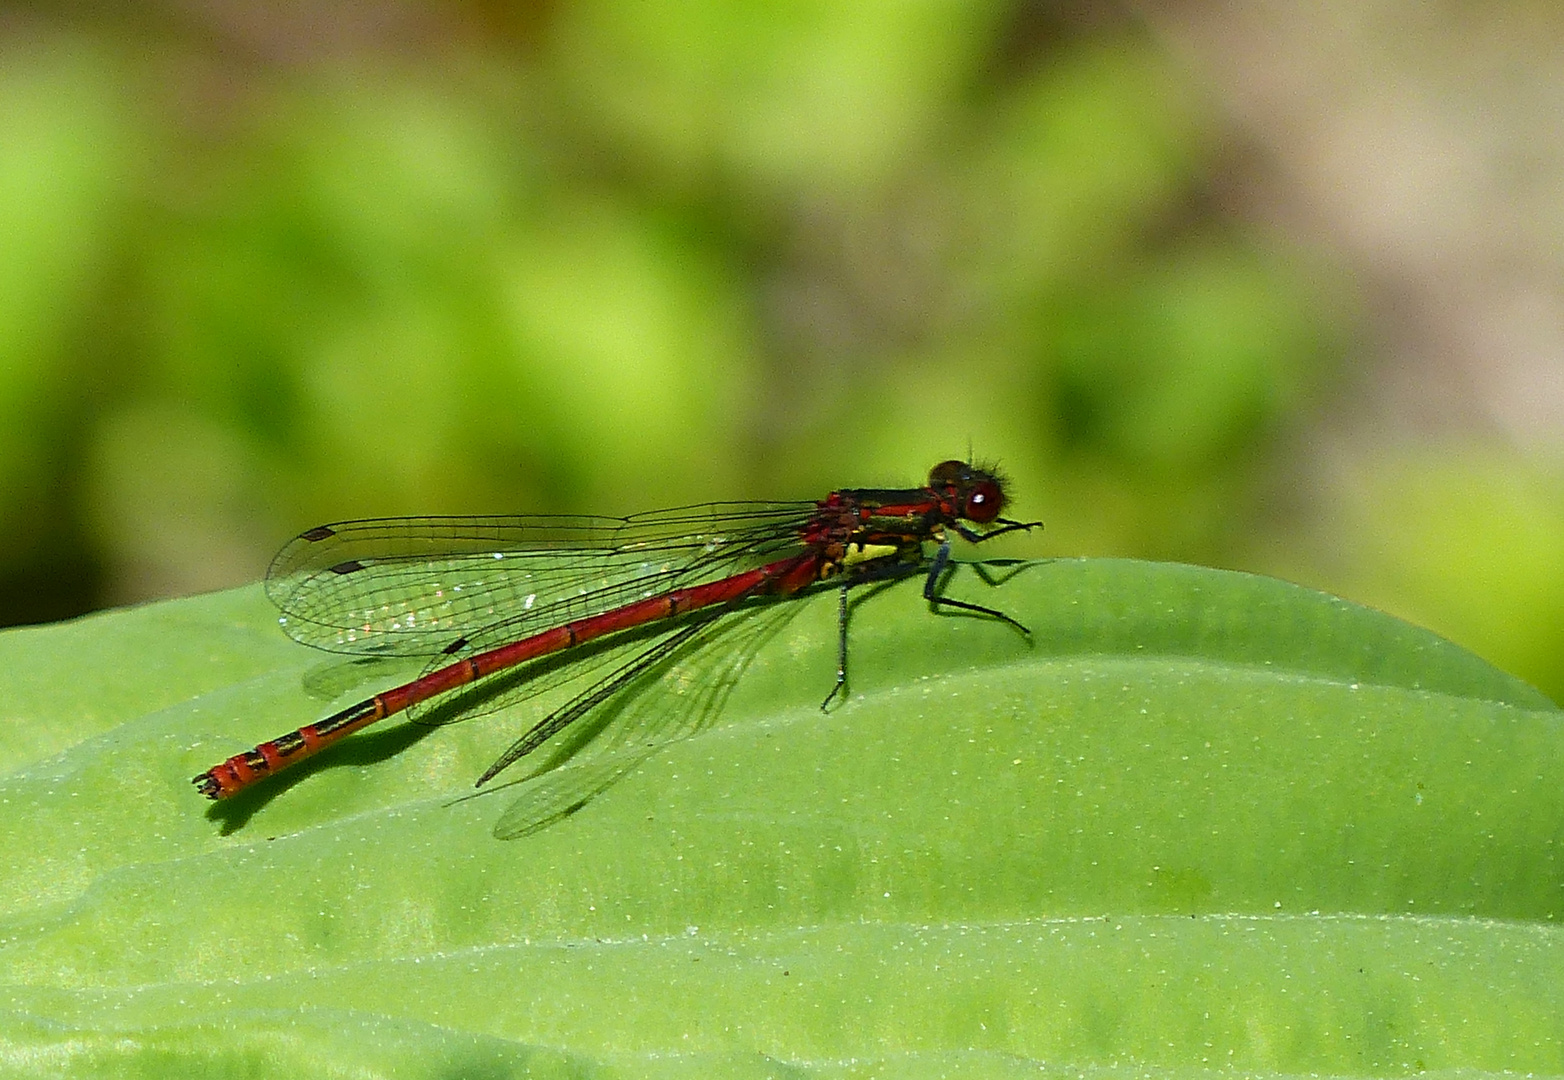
{"points": [[483, 595]]}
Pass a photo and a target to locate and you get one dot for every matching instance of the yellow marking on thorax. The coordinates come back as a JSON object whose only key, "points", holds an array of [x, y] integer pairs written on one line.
{"points": [[862, 553]]}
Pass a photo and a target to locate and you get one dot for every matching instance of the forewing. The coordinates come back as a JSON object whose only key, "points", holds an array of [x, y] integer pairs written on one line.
{"points": [[433, 586]]}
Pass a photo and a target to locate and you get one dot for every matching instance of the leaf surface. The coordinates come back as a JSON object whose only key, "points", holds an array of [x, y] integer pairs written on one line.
{"points": [[1197, 822]]}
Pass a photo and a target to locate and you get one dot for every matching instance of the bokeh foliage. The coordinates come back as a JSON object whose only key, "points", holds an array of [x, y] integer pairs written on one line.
{"points": [[600, 255]]}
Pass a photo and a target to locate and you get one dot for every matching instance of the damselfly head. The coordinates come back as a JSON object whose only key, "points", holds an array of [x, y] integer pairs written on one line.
{"points": [[977, 493]]}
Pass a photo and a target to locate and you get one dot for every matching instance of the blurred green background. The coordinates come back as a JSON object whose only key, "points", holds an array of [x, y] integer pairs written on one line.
{"points": [[1278, 296]]}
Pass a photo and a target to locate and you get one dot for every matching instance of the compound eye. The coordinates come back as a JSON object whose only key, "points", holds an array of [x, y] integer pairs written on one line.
{"points": [[983, 503]]}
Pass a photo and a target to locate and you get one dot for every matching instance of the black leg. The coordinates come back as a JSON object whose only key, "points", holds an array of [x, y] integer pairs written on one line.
{"points": [[985, 570], [931, 590], [889, 570], [841, 646], [861, 575], [1005, 526]]}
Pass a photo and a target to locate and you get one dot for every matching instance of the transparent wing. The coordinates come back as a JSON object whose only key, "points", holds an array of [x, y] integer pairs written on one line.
{"points": [[437, 585], [675, 690]]}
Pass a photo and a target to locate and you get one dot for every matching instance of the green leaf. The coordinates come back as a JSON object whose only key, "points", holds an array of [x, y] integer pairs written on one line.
{"points": [[1196, 822]]}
